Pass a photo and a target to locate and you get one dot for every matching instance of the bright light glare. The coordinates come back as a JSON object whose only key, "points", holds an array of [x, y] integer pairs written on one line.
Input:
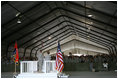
{"points": [[90, 15], [49, 37], [18, 21], [77, 54]]}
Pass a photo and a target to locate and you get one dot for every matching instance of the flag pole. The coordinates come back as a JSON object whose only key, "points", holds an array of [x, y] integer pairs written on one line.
{"points": [[15, 67], [16, 57], [14, 74]]}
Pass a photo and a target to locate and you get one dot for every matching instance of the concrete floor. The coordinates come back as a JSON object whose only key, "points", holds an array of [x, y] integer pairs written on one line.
{"points": [[7, 74], [76, 74], [88, 74]]}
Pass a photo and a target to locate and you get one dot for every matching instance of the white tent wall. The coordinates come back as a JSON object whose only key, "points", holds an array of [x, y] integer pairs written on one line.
{"points": [[89, 47], [75, 46]]}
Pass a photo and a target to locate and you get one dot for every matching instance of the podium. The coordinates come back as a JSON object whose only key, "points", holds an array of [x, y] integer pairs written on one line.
{"points": [[29, 69]]}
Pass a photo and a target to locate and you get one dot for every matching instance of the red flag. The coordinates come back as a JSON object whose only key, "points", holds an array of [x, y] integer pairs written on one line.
{"points": [[17, 56], [15, 45]]}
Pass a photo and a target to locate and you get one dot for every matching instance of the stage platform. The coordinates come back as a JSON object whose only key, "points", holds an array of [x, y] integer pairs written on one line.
{"points": [[37, 75], [76, 74]]}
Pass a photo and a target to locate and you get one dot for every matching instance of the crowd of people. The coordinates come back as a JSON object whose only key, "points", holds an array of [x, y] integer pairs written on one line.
{"points": [[10, 60], [71, 58], [88, 58], [103, 61], [100, 59]]}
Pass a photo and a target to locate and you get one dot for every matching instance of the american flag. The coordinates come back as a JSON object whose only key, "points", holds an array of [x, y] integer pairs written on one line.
{"points": [[59, 59]]}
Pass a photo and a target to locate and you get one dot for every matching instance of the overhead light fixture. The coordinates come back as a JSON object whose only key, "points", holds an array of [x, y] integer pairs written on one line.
{"points": [[89, 23], [49, 37], [18, 21], [18, 14], [90, 15], [88, 36]]}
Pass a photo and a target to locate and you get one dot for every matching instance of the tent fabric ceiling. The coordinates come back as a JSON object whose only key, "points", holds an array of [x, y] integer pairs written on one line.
{"points": [[58, 20]]}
